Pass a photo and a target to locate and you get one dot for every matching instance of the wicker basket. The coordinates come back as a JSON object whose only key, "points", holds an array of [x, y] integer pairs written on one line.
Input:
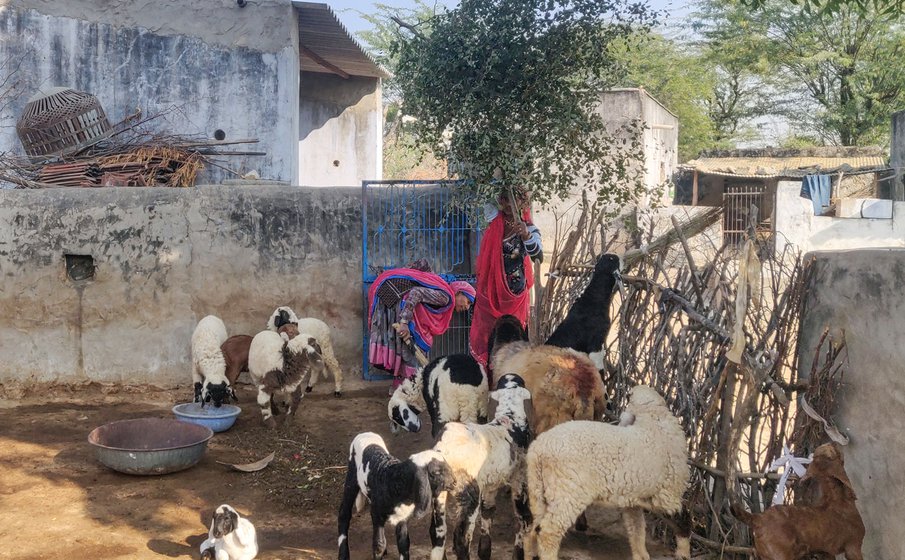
{"points": [[60, 121]]}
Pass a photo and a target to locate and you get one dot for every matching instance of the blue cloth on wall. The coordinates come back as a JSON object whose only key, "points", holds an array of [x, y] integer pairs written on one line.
{"points": [[818, 189]]}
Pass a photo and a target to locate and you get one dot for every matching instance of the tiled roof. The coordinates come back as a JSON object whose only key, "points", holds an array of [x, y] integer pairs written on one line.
{"points": [[771, 167]]}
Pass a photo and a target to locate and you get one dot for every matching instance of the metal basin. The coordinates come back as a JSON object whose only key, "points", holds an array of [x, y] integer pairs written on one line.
{"points": [[148, 446]]}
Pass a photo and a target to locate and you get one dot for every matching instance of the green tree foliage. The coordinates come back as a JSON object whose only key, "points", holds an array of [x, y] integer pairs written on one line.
{"points": [[837, 76], [507, 89], [886, 7]]}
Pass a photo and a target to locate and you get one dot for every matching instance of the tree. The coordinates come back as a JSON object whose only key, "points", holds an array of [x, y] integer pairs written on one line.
{"points": [[886, 7], [507, 91], [842, 74]]}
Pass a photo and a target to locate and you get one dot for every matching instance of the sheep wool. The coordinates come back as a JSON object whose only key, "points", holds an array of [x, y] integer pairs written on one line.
{"points": [[637, 467], [319, 330], [208, 363]]}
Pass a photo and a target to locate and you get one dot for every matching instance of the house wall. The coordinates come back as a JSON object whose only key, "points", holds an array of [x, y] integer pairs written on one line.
{"points": [[797, 224], [164, 259], [860, 293], [207, 64], [340, 130]]}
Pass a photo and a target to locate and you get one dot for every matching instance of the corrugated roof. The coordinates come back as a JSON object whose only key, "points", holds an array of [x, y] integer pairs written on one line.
{"points": [[771, 167], [323, 36]]}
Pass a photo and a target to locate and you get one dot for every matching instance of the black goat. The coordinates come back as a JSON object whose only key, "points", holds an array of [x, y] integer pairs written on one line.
{"points": [[588, 322], [397, 490]]}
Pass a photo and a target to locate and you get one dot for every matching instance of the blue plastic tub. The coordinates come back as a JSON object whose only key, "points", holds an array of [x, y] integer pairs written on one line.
{"points": [[217, 419]]}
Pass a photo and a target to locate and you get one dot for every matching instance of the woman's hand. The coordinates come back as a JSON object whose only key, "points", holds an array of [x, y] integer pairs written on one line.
{"points": [[522, 229], [402, 331]]}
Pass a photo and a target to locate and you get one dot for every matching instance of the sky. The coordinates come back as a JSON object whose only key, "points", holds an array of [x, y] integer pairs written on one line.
{"points": [[348, 10]]}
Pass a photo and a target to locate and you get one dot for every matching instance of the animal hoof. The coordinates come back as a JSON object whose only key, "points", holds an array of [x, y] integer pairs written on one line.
{"points": [[337, 394], [270, 422], [309, 389]]}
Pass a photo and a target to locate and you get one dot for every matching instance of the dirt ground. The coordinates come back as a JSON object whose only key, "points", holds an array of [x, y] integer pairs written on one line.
{"points": [[57, 501]]}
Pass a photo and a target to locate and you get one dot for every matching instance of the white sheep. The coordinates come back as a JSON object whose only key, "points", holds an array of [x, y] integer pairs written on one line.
{"points": [[208, 363], [636, 467], [279, 366], [319, 330], [484, 458], [452, 389]]}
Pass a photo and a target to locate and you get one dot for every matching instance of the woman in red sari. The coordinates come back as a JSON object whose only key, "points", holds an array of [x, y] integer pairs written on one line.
{"points": [[407, 308], [504, 270]]}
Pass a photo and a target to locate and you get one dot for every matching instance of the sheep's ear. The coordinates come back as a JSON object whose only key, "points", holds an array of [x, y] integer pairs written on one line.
{"points": [[492, 406], [530, 415], [422, 492]]}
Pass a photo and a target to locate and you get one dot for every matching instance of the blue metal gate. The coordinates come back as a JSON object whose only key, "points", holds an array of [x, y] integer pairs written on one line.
{"points": [[403, 221]]}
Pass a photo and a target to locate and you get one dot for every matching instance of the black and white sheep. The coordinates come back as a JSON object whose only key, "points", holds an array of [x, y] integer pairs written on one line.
{"points": [[397, 490], [320, 331], [231, 537], [483, 459], [586, 325], [452, 389], [208, 363], [278, 366]]}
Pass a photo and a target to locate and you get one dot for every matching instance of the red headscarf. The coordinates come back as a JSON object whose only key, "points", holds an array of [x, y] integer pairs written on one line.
{"points": [[494, 298]]}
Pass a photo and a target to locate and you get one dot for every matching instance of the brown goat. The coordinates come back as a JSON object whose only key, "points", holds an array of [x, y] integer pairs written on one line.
{"points": [[235, 351], [831, 525]]}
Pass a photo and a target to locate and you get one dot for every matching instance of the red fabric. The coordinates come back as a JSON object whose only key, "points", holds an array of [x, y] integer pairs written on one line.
{"points": [[428, 321], [494, 298]]}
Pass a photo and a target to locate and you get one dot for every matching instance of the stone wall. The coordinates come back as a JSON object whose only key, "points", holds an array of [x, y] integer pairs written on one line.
{"points": [[163, 259], [860, 293]]}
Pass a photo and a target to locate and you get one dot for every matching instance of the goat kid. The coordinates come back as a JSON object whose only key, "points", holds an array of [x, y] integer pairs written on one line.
{"points": [[832, 525], [397, 490], [231, 537]]}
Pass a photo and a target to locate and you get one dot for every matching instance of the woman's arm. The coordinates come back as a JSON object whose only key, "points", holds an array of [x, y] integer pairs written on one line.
{"points": [[533, 243], [426, 296]]}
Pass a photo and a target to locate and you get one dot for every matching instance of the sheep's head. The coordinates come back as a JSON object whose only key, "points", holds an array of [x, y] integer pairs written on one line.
{"points": [[507, 330], [291, 330], [218, 393], [281, 316], [225, 521], [400, 410], [511, 401], [609, 263], [642, 397]]}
